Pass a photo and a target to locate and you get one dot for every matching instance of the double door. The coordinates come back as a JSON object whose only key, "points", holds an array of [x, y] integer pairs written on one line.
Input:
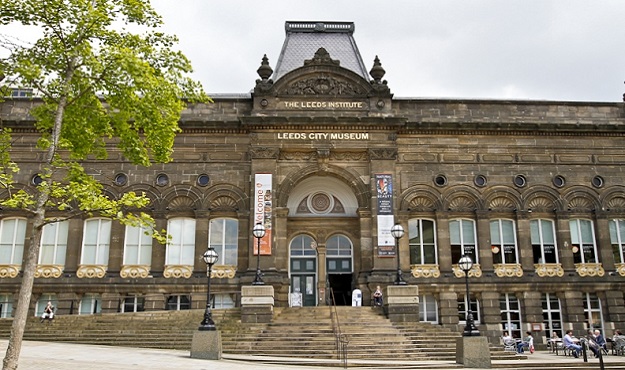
{"points": [[304, 279]]}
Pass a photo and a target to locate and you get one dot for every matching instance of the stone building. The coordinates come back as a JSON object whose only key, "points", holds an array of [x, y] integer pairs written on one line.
{"points": [[326, 158]]}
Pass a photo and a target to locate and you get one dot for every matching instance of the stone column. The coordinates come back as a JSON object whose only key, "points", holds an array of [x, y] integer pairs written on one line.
{"points": [[448, 309], [563, 234], [67, 304], [201, 241], [110, 302], [483, 241], [533, 310], [573, 316], [257, 303], [491, 316], [444, 243], [74, 244], [615, 310], [154, 302], [366, 240], [524, 242], [323, 274], [604, 244], [402, 303], [159, 250], [116, 248]]}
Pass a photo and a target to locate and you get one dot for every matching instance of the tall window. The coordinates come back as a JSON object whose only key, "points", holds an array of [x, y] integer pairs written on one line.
{"points": [[138, 246], [224, 237], [510, 314], [6, 305], [462, 309], [583, 236], [543, 241], [617, 239], [463, 239], [422, 236], [428, 309], [53, 243], [95, 241], [43, 301], [181, 245], [90, 304], [339, 253], [592, 311], [12, 236], [503, 236], [552, 316]]}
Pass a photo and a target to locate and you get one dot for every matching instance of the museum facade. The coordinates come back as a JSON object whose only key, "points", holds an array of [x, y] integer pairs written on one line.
{"points": [[326, 158]]}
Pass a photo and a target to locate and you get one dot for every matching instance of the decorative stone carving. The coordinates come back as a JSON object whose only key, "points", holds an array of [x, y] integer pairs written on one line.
{"points": [[383, 153], [425, 271], [264, 153], [620, 268], [223, 271], [549, 269], [9, 271], [589, 269], [91, 271], [508, 270], [322, 85], [178, 271], [135, 271], [322, 57], [476, 271], [298, 156], [49, 271]]}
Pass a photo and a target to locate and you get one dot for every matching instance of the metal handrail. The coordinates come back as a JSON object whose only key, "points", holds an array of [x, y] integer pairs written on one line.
{"points": [[341, 340]]}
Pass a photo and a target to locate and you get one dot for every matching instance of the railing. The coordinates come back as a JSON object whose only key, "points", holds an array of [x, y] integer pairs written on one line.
{"points": [[341, 340]]}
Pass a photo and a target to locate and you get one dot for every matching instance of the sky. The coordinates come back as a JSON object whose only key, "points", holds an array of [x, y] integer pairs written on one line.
{"points": [[564, 50]]}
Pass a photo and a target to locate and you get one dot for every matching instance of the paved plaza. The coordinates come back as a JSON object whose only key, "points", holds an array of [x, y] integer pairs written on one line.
{"points": [[63, 356]]}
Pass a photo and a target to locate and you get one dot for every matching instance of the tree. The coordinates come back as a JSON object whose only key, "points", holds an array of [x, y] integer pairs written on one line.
{"points": [[100, 84]]}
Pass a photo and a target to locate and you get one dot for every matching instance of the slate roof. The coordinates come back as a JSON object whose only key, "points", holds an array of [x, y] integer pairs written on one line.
{"points": [[303, 39]]}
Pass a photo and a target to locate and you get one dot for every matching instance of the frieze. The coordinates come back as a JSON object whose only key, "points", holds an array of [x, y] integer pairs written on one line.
{"points": [[134, 271], [383, 153], [350, 156], [298, 156], [264, 153], [476, 271], [322, 85], [549, 269], [91, 271], [508, 270], [178, 271]]}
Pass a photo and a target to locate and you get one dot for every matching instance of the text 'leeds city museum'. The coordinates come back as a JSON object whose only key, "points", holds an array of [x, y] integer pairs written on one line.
{"points": [[326, 158]]}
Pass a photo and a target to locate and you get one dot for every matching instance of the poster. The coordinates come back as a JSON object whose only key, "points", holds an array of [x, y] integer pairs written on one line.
{"points": [[262, 211], [384, 190]]}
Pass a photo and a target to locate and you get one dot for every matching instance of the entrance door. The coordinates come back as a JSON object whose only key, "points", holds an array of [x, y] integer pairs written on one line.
{"points": [[339, 268], [303, 279], [341, 285]]}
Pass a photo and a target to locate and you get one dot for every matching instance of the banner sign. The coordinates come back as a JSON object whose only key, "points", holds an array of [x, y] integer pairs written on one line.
{"points": [[384, 188], [262, 211]]}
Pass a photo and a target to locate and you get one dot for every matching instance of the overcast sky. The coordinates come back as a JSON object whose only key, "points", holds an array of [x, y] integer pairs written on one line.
{"points": [[513, 49], [497, 49]]}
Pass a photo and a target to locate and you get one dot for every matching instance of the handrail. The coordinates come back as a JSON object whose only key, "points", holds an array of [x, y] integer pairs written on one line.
{"points": [[340, 339]]}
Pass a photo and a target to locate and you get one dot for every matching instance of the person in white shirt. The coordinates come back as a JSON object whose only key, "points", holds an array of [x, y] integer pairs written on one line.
{"points": [[569, 342]]}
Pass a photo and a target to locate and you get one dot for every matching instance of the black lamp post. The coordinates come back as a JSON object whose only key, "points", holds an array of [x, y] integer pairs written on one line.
{"points": [[398, 231], [209, 257], [259, 232], [466, 263]]}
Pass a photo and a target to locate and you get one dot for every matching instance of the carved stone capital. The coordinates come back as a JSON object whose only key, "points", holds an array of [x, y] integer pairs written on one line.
{"points": [[589, 269], [134, 271], [91, 271], [223, 271], [178, 271], [476, 271], [9, 271], [620, 268], [425, 271], [508, 270], [549, 269], [49, 271]]}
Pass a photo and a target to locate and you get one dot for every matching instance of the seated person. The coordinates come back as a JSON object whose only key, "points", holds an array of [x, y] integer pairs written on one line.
{"points": [[552, 342], [592, 344], [528, 342], [377, 296], [569, 342], [600, 340], [48, 312]]}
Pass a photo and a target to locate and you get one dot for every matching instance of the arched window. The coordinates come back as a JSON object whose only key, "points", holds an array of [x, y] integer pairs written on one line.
{"points": [[617, 239], [95, 241], [583, 237], [12, 236], [138, 246], [223, 236], [503, 236], [543, 241], [422, 237], [54, 243], [303, 245], [339, 253], [463, 239], [181, 245]]}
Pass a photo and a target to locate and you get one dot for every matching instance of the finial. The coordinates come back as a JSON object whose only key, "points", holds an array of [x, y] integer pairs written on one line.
{"points": [[264, 71], [377, 72]]}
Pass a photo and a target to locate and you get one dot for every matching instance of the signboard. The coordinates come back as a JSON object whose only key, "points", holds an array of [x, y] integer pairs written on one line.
{"points": [[263, 207], [384, 190]]}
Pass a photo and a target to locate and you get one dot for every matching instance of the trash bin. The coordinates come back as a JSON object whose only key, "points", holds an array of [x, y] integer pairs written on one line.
{"points": [[357, 297]]}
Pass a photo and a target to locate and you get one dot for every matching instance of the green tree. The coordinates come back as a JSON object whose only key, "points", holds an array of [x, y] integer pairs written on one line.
{"points": [[105, 75]]}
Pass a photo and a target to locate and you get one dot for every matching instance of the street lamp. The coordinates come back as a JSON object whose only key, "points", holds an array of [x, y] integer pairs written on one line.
{"points": [[466, 263], [209, 257], [259, 232], [398, 231]]}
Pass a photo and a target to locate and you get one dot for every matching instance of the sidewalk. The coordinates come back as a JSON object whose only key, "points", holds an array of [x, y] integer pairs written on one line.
{"points": [[62, 356]]}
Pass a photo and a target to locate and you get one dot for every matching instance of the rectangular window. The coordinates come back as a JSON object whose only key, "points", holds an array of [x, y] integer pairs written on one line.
{"points": [[511, 315], [552, 316], [223, 236], [54, 243], [543, 241], [137, 246], [428, 309], [503, 236], [583, 237], [133, 303], [463, 239], [592, 312], [462, 310], [90, 304], [12, 237], [223, 301], [181, 246], [178, 302], [95, 242], [617, 239], [422, 237], [6, 305]]}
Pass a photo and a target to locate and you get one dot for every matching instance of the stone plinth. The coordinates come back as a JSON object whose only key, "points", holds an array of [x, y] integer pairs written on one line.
{"points": [[473, 352], [257, 303], [402, 303], [206, 345]]}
